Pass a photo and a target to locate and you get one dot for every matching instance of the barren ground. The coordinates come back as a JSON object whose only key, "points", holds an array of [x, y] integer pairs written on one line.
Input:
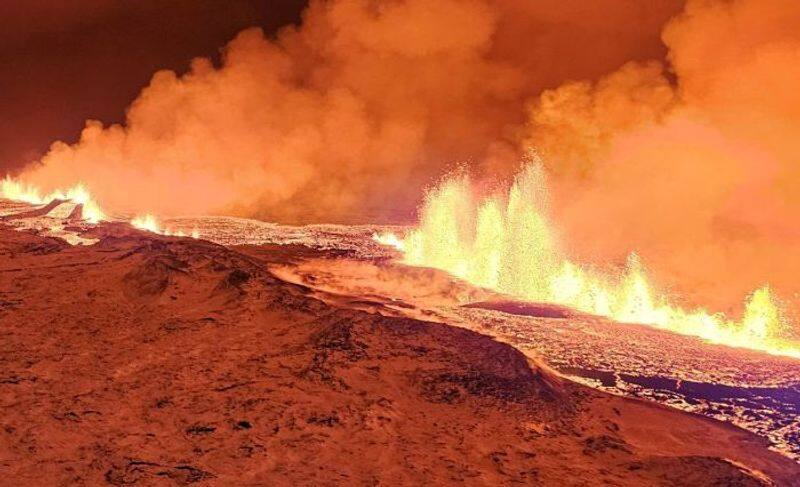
{"points": [[152, 360]]}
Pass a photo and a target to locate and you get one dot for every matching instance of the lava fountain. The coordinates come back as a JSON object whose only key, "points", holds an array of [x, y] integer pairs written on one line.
{"points": [[19, 191], [16, 190], [150, 223], [506, 242]]}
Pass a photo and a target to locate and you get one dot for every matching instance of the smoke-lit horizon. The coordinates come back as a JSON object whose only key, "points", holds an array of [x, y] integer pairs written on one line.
{"points": [[670, 134]]}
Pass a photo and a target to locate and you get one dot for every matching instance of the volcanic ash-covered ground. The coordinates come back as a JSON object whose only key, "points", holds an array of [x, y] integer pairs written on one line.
{"points": [[297, 356]]}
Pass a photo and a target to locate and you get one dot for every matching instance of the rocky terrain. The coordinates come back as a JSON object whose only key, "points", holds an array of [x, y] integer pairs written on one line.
{"points": [[151, 360]]}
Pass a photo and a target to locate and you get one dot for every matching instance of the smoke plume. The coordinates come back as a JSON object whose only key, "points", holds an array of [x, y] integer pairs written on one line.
{"points": [[351, 114], [691, 163], [667, 129]]}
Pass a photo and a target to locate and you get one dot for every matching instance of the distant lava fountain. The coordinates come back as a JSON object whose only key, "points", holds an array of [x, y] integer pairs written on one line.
{"points": [[18, 191], [150, 223], [15, 190], [507, 243]]}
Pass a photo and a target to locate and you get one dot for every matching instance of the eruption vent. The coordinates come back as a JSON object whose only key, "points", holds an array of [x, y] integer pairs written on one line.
{"points": [[89, 209], [507, 243]]}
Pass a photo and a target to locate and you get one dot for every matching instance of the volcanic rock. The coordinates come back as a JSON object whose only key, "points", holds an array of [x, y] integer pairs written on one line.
{"points": [[149, 360]]}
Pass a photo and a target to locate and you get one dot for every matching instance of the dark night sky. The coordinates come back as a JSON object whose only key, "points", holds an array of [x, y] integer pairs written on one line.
{"points": [[64, 62]]}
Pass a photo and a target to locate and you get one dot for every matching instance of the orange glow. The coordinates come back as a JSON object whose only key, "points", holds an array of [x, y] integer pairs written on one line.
{"points": [[389, 239], [392, 94], [18, 191], [146, 222], [507, 243], [150, 223]]}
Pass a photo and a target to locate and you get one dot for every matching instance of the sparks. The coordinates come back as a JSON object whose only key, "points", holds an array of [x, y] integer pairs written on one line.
{"points": [[506, 243]]}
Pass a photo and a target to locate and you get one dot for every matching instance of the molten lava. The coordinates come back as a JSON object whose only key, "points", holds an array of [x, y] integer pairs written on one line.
{"points": [[507, 243], [150, 223], [18, 191]]}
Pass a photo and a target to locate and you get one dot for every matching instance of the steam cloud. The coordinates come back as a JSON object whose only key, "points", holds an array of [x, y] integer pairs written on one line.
{"points": [[354, 111], [701, 174], [686, 154]]}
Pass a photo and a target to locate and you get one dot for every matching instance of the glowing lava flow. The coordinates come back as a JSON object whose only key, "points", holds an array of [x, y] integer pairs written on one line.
{"points": [[507, 244], [149, 223], [18, 191]]}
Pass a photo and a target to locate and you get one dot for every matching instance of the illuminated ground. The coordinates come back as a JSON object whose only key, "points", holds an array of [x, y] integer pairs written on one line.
{"points": [[756, 391]]}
